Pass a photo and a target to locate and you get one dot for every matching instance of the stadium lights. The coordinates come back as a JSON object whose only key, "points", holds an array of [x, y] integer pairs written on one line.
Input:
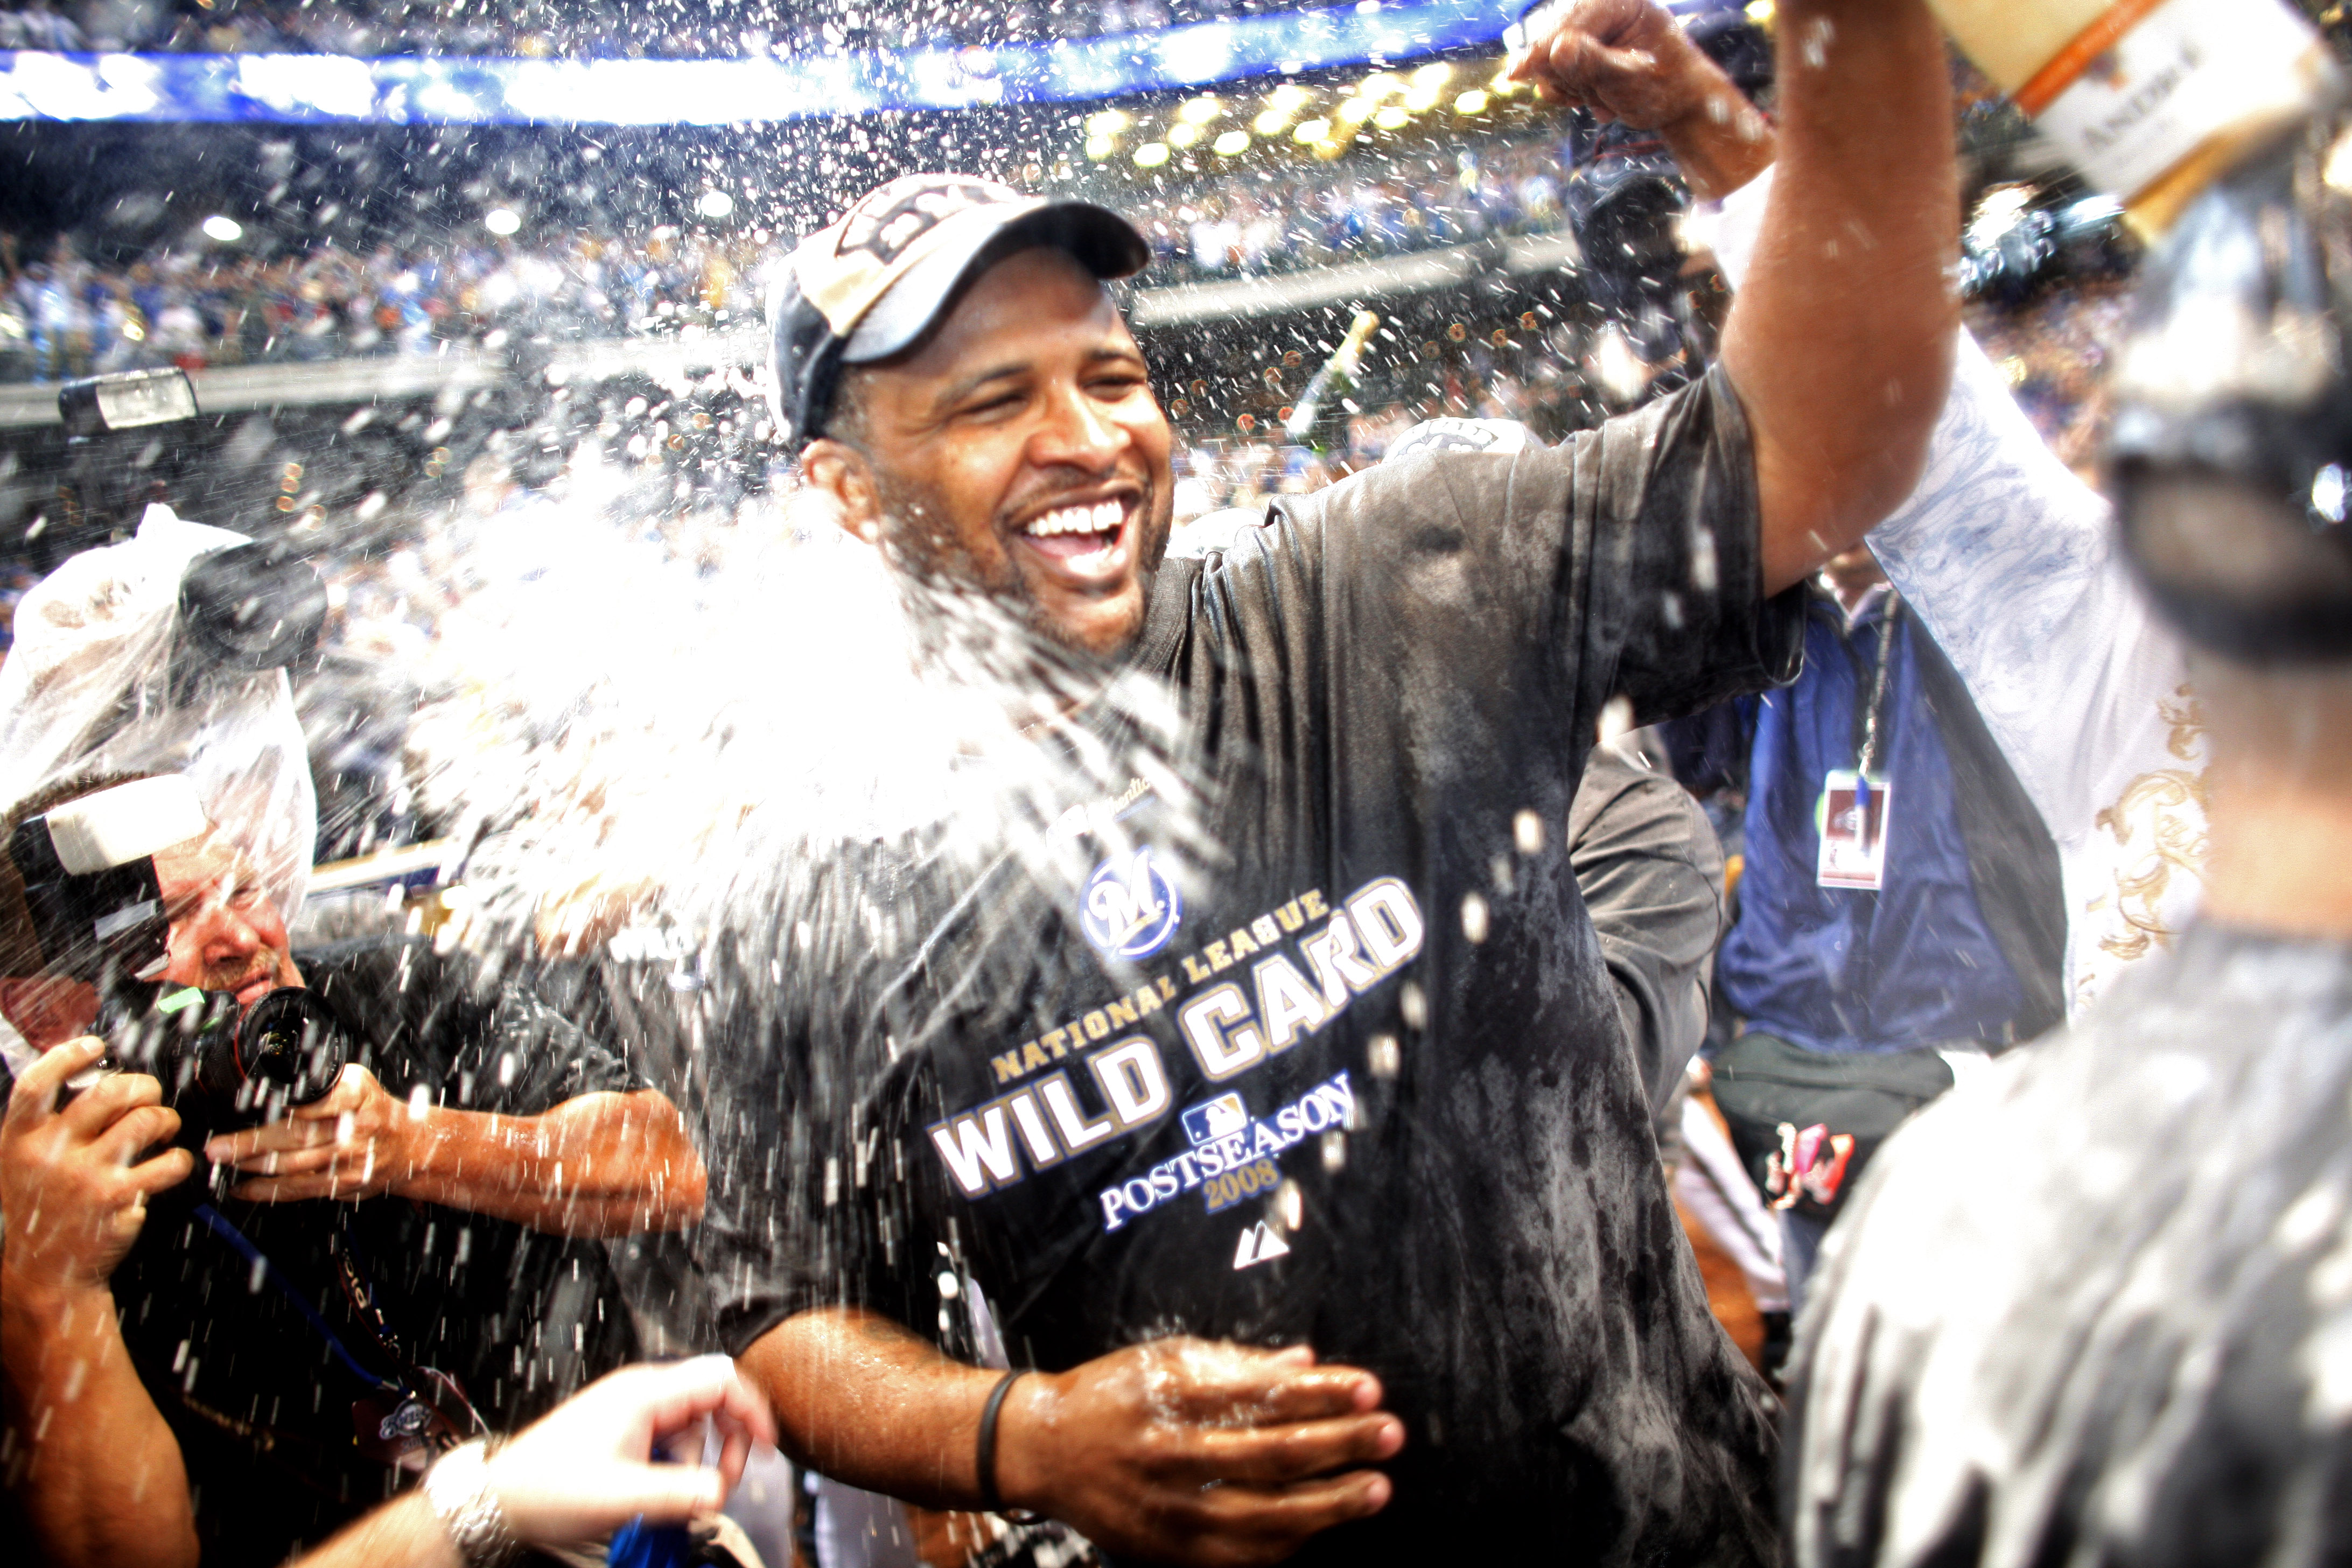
{"points": [[1109, 122], [1391, 119], [1475, 101], [501, 221], [1233, 143], [1100, 147], [223, 228], [1310, 131], [715, 203], [1202, 110], [1152, 155], [1183, 134]]}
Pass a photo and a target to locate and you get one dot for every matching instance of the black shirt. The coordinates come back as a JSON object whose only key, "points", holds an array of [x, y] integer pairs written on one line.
{"points": [[260, 1401], [2094, 1305], [1361, 1081]]}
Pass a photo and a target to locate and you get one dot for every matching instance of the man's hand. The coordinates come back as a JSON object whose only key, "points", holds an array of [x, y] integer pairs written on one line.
{"points": [[588, 1465], [1623, 59], [356, 1142], [1182, 1450], [1630, 60], [73, 1188]]}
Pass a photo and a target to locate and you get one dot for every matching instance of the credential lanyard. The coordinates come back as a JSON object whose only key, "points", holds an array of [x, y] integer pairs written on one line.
{"points": [[1874, 714], [220, 1225]]}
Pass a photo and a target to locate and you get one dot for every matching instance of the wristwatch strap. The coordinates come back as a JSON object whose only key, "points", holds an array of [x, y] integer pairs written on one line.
{"points": [[459, 1489]]}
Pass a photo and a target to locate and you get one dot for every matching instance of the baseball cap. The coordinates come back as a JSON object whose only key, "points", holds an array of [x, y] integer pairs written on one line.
{"points": [[870, 285]]}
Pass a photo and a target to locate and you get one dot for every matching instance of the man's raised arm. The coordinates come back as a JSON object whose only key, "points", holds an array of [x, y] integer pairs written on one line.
{"points": [[1840, 342]]}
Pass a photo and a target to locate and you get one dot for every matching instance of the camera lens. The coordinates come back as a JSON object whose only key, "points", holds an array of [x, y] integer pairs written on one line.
{"points": [[292, 1046]]}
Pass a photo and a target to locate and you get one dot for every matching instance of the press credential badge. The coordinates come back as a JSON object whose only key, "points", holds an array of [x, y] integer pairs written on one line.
{"points": [[1853, 818]]}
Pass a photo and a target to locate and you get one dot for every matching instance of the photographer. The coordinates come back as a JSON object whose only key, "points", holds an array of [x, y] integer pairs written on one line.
{"points": [[210, 1364]]}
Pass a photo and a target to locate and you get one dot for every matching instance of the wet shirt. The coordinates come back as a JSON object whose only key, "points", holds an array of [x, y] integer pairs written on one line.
{"points": [[2093, 1307], [1355, 1079], [281, 1428]]}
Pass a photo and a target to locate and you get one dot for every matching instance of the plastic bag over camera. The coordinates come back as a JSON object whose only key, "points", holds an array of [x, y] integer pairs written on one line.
{"points": [[105, 680]]}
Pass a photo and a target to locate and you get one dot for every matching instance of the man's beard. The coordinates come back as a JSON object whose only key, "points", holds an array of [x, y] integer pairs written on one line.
{"points": [[262, 965], [941, 576]]}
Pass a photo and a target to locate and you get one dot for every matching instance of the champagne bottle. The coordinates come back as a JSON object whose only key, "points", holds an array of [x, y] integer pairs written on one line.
{"points": [[2151, 99], [1334, 380], [2230, 457]]}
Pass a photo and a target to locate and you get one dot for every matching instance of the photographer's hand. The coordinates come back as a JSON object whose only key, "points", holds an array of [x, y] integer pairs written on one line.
{"points": [[100, 1480], [73, 1189], [356, 1142]]}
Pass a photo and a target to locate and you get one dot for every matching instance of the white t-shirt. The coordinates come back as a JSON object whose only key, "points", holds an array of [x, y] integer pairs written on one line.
{"points": [[2013, 565]]}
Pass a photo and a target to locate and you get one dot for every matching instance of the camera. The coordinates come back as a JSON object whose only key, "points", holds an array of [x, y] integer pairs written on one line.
{"points": [[221, 1071], [87, 870]]}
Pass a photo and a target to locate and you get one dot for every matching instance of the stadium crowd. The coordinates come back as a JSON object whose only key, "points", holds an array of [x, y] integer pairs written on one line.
{"points": [[1746, 969], [64, 315]]}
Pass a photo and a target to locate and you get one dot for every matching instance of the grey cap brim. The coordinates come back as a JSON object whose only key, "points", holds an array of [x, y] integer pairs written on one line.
{"points": [[1101, 241]]}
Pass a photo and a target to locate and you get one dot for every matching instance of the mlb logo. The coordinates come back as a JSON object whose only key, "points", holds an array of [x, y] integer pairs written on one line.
{"points": [[1214, 1119]]}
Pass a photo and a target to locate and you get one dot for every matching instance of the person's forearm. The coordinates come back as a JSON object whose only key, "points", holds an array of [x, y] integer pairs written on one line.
{"points": [[602, 1164], [405, 1533], [1841, 343], [860, 1398], [101, 1482]]}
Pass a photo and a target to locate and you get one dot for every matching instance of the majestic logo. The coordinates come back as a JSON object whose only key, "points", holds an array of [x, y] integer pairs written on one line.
{"points": [[902, 212], [1219, 1118], [1259, 1243], [1130, 908]]}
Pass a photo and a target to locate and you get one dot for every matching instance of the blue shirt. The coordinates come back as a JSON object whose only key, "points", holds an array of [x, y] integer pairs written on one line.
{"points": [[1836, 969]]}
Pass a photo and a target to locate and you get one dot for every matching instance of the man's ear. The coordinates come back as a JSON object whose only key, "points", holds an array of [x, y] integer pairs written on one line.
{"points": [[840, 473]]}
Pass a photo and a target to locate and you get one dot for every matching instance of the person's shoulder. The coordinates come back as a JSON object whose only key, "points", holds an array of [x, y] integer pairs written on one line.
{"points": [[1440, 487]]}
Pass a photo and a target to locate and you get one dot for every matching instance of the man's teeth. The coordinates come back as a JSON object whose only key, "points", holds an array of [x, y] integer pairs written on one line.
{"points": [[1100, 518]]}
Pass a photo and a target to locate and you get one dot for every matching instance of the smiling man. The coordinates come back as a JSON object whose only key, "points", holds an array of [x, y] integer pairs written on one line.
{"points": [[1310, 1177]]}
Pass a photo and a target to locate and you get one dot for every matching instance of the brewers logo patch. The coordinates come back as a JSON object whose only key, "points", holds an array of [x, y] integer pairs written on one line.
{"points": [[1129, 909]]}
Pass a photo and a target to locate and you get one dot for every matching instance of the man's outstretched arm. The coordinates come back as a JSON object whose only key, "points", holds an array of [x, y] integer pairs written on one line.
{"points": [[1177, 1450], [604, 1164], [1841, 343]]}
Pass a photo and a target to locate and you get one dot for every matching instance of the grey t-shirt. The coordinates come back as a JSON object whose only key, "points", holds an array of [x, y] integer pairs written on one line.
{"points": [[2095, 1306], [1651, 870]]}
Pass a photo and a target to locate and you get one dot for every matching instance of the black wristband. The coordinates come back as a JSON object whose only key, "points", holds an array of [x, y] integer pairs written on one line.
{"points": [[991, 1500]]}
